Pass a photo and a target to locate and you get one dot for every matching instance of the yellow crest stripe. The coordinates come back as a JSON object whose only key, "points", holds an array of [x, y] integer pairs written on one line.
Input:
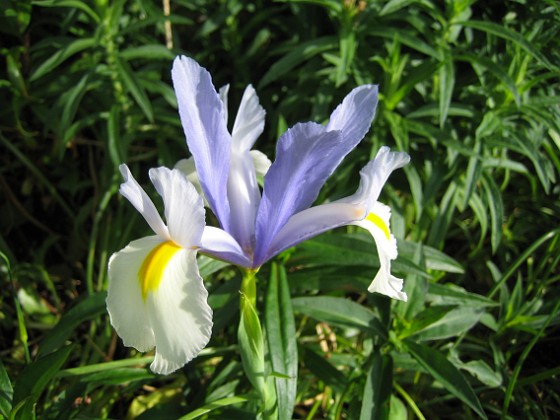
{"points": [[151, 271], [377, 221]]}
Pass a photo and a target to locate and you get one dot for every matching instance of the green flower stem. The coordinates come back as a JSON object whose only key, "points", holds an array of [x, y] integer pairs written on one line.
{"points": [[251, 342], [249, 287]]}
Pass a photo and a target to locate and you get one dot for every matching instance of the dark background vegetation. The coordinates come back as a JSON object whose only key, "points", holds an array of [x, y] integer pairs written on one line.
{"points": [[468, 89]]}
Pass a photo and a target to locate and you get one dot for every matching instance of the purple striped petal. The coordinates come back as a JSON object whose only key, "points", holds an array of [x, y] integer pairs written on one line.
{"points": [[305, 157], [312, 222], [203, 117], [354, 115], [220, 244]]}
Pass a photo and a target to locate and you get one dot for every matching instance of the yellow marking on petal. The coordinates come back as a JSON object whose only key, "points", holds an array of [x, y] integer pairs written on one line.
{"points": [[151, 272], [377, 221]]}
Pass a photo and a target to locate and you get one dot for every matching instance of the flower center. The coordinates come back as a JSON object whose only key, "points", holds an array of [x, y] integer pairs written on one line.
{"points": [[153, 267], [377, 221]]}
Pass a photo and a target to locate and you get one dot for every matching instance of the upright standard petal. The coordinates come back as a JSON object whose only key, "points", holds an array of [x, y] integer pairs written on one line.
{"points": [[305, 157], [184, 210], [243, 190], [133, 192], [354, 115], [188, 167], [249, 121], [203, 117]]}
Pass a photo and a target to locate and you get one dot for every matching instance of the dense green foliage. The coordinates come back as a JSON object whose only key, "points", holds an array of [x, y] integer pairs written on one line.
{"points": [[468, 89]]}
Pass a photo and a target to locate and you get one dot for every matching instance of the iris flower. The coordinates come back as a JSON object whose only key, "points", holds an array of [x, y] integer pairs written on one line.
{"points": [[165, 303], [155, 296]]}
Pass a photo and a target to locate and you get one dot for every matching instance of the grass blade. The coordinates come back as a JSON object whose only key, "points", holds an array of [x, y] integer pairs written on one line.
{"points": [[437, 365], [281, 335]]}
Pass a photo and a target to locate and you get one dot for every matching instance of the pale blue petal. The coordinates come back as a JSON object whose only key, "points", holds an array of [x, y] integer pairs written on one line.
{"points": [[203, 117], [244, 196], [220, 244], [305, 157], [354, 115], [311, 222]]}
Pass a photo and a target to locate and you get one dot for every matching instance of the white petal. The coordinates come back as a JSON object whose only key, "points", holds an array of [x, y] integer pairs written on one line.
{"points": [[184, 210], [134, 193], [223, 94], [125, 305], [167, 309], [377, 223], [249, 121], [261, 161], [179, 314], [375, 174], [188, 167]]}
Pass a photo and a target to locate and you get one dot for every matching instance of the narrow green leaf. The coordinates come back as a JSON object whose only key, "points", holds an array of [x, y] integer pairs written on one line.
{"points": [[452, 324], [35, 377], [437, 365], [69, 102], [415, 287], [147, 52], [393, 6], [434, 259], [6, 392], [13, 67], [484, 373], [101, 367], [113, 136], [89, 308], [282, 343], [224, 402], [297, 55], [451, 294], [118, 376], [474, 169], [408, 38], [324, 370], [64, 50], [347, 52], [510, 35], [341, 312], [496, 70], [446, 85], [443, 218], [78, 4], [377, 391], [496, 206], [136, 90]]}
